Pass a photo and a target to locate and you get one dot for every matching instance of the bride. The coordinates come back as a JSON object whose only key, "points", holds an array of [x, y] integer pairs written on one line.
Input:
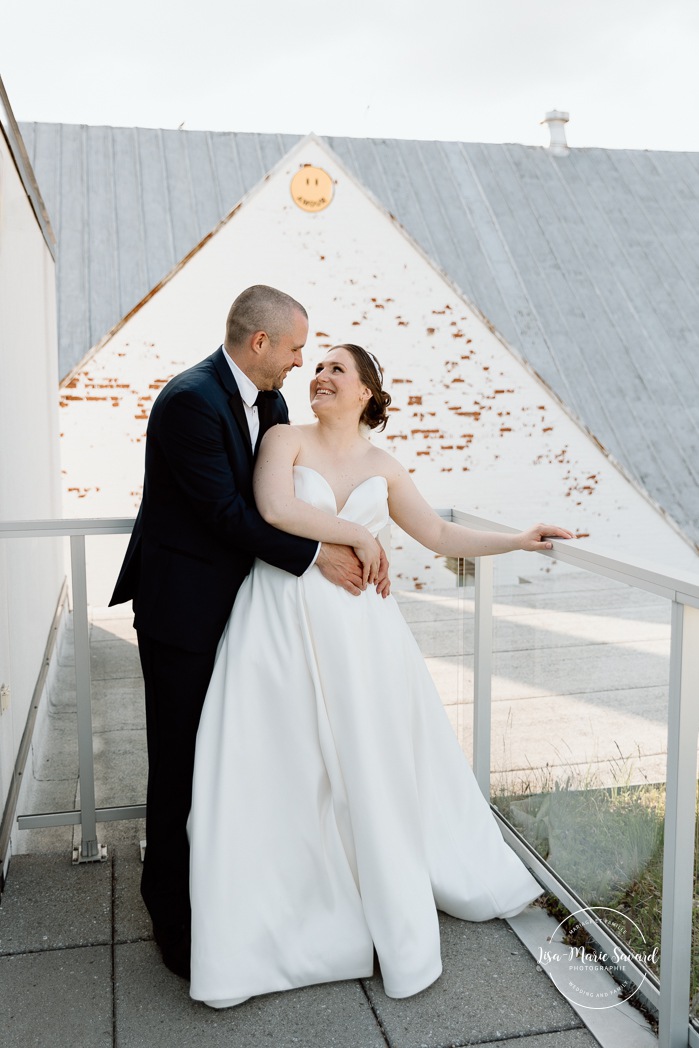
{"points": [[333, 810]]}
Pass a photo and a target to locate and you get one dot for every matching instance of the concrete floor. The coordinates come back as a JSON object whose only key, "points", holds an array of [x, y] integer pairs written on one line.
{"points": [[78, 966], [581, 673]]}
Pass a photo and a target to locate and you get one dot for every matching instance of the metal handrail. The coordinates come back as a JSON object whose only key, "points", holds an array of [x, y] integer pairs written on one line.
{"points": [[681, 586], [682, 589], [62, 527]]}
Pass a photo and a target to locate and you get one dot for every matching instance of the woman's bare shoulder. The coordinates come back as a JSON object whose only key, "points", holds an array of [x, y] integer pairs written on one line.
{"points": [[303, 428], [303, 434], [281, 437], [385, 465]]}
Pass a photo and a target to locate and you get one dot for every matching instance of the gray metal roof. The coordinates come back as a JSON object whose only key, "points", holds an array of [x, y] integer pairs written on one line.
{"points": [[588, 264]]}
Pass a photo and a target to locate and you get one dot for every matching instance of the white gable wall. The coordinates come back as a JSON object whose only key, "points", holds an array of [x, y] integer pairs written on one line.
{"points": [[480, 432]]}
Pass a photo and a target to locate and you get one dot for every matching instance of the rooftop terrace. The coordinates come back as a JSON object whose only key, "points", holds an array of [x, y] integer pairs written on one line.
{"points": [[77, 960]]}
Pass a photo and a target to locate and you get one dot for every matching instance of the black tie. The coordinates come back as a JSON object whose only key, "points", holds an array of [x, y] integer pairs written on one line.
{"points": [[263, 402]]}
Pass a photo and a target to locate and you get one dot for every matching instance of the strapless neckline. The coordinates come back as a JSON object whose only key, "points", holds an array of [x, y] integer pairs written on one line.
{"points": [[376, 476]]}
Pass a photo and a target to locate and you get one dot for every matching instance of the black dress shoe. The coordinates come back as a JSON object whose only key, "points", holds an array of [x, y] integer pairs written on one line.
{"points": [[177, 959]]}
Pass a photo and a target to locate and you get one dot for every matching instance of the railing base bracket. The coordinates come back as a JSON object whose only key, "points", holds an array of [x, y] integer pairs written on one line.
{"points": [[99, 856]]}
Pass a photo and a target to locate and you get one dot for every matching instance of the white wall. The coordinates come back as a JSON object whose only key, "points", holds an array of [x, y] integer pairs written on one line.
{"points": [[31, 570]]}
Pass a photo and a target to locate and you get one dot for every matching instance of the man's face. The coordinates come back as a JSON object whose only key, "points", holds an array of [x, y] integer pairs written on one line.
{"points": [[283, 353]]}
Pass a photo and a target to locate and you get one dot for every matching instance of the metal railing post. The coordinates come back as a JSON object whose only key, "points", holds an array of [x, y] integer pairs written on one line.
{"points": [[482, 672], [90, 850], [680, 816]]}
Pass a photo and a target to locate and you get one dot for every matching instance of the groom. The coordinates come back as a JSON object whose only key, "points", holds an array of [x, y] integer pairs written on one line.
{"points": [[194, 541]]}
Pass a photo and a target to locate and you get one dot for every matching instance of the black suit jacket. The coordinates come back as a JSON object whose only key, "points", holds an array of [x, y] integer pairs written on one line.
{"points": [[197, 531]]}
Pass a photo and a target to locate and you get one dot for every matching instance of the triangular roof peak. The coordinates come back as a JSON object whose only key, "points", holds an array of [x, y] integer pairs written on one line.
{"points": [[298, 149]]}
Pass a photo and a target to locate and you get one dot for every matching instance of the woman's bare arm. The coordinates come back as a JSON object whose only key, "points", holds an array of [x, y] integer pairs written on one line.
{"points": [[414, 515]]}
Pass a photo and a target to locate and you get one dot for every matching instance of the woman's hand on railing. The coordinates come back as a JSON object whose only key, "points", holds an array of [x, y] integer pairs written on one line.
{"points": [[536, 538]]}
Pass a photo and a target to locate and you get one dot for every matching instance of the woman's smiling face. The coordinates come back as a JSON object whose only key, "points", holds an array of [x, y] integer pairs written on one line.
{"points": [[336, 383]]}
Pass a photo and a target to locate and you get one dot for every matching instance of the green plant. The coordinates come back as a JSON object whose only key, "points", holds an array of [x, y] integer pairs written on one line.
{"points": [[605, 841]]}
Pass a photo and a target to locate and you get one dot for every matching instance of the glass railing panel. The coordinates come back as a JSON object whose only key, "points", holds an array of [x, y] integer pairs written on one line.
{"points": [[34, 624], [435, 596], [579, 737], [33, 571], [118, 713]]}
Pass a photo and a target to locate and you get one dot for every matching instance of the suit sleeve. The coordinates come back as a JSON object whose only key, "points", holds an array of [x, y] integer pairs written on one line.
{"points": [[190, 437]]}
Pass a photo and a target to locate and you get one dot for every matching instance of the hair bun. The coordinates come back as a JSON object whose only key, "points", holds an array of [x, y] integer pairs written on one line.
{"points": [[375, 414]]}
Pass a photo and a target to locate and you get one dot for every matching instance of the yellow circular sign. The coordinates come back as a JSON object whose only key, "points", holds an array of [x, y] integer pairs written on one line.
{"points": [[312, 188]]}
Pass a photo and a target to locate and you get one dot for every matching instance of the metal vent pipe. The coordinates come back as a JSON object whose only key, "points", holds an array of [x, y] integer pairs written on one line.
{"points": [[557, 121]]}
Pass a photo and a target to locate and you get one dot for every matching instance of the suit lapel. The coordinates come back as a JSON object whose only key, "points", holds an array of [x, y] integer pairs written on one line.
{"points": [[235, 401]]}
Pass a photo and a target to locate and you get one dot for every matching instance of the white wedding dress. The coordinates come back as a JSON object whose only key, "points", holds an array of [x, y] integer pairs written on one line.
{"points": [[333, 811]]}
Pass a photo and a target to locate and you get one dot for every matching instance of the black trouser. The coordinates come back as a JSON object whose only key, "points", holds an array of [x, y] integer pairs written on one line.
{"points": [[176, 682]]}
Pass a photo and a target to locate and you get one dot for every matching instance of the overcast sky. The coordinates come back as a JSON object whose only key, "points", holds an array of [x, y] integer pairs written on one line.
{"points": [[627, 70]]}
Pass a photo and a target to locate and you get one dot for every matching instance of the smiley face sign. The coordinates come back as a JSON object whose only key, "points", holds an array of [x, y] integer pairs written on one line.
{"points": [[312, 188]]}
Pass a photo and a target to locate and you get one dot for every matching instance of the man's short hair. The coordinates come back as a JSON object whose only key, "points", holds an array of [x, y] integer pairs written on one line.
{"points": [[260, 308]]}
